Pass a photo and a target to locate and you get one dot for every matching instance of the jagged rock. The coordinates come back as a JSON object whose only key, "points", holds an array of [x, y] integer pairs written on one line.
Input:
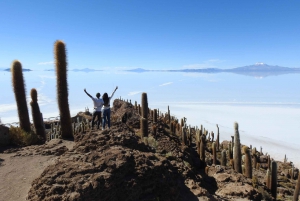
{"points": [[4, 135]]}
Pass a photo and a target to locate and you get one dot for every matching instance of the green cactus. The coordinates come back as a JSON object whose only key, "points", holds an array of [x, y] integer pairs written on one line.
{"points": [[20, 95], [36, 114], [62, 89], [297, 189], [248, 164], [237, 155], [274, 180]]}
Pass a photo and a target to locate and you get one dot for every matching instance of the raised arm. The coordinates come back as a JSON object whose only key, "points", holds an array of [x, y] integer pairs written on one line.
{"points": [[87, 93], [113, 92]]}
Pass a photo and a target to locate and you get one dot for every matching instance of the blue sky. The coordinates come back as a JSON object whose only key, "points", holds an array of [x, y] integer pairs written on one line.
{"points": [[151, 34]]}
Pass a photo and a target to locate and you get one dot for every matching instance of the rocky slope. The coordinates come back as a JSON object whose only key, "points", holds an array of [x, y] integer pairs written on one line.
{"points": [[116, 164]]}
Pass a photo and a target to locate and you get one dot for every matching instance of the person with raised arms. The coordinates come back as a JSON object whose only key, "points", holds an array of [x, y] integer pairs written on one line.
{"points": [[106, 109]]}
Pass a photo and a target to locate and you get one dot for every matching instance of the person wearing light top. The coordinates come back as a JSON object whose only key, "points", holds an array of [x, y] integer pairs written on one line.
{"points": [[98, 103], [106, 109]]}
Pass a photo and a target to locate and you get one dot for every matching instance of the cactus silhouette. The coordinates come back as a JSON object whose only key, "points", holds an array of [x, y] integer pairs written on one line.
{"points": [[248, 164], [237, 155], [274, 179], [62, 88], [297, 189], [155, 115], [36, 114], [20, 95]]}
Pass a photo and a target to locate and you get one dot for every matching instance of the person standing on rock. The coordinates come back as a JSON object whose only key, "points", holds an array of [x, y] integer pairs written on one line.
{"points": [[106, 109], [98, 103]]}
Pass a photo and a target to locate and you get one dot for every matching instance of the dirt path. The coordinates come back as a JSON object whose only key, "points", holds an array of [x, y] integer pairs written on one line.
{"points": [[18, 172]]}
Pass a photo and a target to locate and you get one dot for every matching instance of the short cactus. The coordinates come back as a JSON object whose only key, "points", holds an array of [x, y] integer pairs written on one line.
{"points": [[36, 114], [223, 158], [248, 164], [214, 151], [202, 151]]}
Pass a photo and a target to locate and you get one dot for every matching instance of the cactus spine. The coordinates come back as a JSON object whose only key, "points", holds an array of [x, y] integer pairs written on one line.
{"points": [[248, 164], [237, 150], [20, 95], [62, 89], [297, 189], [36, 114], [274, 180]]}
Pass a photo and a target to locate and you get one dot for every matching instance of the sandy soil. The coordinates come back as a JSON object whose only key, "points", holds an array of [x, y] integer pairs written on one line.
{"points": [[18, 172]]}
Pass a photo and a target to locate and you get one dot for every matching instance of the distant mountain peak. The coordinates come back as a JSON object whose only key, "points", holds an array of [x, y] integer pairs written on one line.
{"points": [[260, 64]]}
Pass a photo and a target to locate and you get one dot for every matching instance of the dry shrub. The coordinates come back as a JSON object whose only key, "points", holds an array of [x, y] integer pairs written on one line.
{"points": [[21, 137]]}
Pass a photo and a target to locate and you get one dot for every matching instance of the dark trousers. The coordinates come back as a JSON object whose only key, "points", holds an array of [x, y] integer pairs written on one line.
{"points": [[98, 114]]}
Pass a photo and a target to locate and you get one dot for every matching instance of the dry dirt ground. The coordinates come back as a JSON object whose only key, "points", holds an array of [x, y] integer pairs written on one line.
{"points": [[19, 168]]}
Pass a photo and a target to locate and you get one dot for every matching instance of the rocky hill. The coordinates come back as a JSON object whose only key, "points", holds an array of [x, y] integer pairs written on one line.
{"points": [[117, 164]]}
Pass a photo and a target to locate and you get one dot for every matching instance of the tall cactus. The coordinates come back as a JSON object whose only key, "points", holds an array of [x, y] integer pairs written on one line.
{"points": [[20, 95], [274, 180], [237, 150], [36, 114], [297, 189], [62, 88]]}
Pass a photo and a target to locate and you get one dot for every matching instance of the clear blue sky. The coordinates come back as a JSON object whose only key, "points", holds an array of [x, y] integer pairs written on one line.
{"points": [[151, 34]]}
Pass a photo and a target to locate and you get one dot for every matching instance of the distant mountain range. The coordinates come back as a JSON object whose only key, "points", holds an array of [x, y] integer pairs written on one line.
{"points": [[256, 70], [8, 69], [87, 70]]}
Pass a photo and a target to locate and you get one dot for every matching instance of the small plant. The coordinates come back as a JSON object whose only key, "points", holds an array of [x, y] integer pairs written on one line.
{"points": [[22, 138], [254, 182]]}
